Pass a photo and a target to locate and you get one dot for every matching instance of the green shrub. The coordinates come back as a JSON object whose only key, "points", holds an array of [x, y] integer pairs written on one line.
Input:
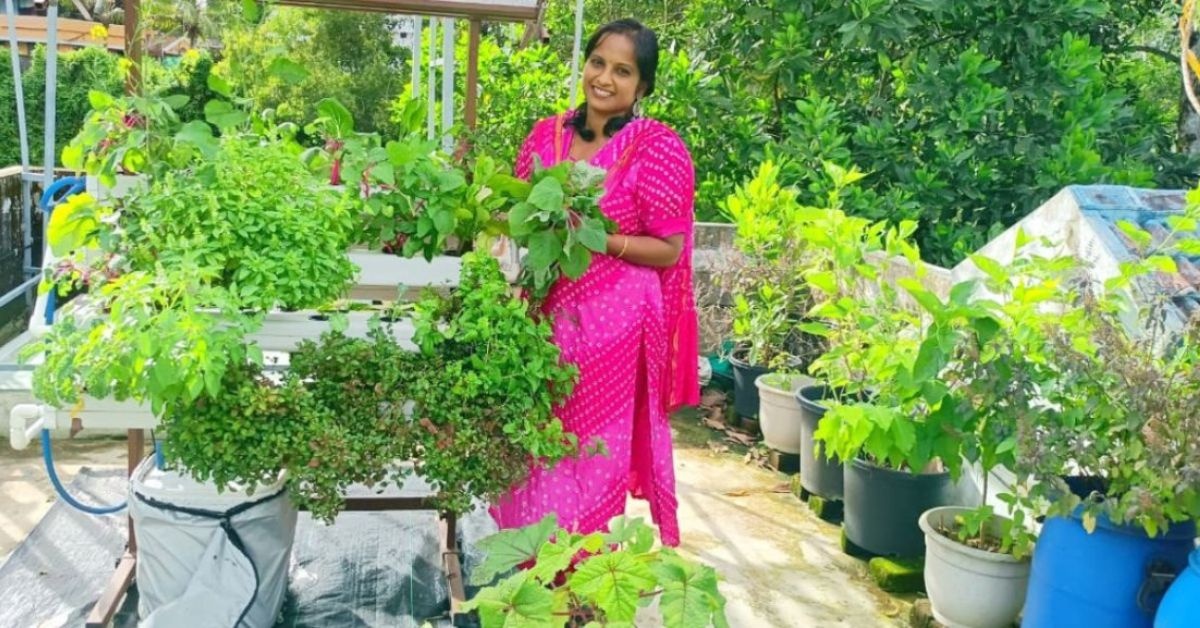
{"points": [[79, 72]]}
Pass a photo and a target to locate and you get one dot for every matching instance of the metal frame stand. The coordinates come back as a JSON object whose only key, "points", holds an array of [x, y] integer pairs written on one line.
{"points": [[118, 585]]}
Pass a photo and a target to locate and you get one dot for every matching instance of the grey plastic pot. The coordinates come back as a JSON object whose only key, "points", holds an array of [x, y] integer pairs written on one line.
{"points": [[819, 475], [968, 587], [883, 507], [745, 394]]}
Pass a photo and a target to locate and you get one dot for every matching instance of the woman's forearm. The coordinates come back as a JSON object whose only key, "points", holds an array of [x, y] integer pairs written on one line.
{"points": [[646, 250]]}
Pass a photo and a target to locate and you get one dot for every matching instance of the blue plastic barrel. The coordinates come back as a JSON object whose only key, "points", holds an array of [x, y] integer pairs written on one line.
{"points": [[1111, 578], [1181, 606]]}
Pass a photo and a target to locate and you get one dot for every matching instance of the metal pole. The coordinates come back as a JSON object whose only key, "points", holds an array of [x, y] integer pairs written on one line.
{"points": [[17, 83], [416, 55], [51, 96], [575, 51], [430, 114], [23, 131], [447, 83]]}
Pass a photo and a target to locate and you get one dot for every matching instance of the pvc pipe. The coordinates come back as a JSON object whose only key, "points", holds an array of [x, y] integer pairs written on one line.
{"points": [[20, 431], [447, 83], [417, 45], [430, 114], [51, 97], [23, 132]]}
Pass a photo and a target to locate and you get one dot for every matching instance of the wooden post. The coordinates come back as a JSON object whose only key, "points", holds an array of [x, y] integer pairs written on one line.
{"points": [[136, 450], [472, 95], [133, 46]]}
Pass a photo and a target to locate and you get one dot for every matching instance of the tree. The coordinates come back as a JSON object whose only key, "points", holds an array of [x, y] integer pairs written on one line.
{"points": [[79, 72], [967, 113], [350, 55], [195, 19]]}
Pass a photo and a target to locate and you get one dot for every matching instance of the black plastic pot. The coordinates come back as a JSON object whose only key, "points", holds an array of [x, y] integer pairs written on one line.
{"points": [[818, 475], [883, 507], [745, 393]]}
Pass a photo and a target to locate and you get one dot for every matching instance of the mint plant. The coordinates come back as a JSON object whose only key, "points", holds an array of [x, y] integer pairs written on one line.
{"points": [[608, 577], [253, 219]]}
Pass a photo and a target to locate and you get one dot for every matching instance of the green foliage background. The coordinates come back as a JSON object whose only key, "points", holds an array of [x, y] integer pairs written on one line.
{"points": [[966, 114], [78, 72]]}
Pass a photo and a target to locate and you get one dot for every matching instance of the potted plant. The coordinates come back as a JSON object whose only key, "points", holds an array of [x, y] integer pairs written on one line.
{"points": [[977, 561], [837, 242], [893, 420], [188, 268], [1111, 458], [768, 301], [601, 578], [1100, 451]]}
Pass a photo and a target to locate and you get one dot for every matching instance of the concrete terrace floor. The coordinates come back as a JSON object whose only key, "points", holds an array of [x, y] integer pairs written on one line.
{"points": [[780, 565]]}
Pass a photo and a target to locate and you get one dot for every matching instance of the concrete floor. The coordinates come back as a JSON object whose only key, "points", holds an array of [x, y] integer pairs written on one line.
{"points": [[25, 491], [780, 565]]}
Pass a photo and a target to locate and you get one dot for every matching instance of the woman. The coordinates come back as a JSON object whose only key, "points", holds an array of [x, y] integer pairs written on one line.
{"points": [[629, 323]]}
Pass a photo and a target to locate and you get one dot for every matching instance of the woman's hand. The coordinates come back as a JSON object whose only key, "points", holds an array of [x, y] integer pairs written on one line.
{"points": [[646, 250]]}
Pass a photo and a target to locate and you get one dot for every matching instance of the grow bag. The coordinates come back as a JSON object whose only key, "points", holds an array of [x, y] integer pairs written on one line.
{"points": [[1111, 578], [220, 556], [883, 507], [818, 475], [745, 394], [1180, 608]]}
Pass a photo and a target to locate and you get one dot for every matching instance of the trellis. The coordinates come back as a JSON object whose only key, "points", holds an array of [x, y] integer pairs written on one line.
{"points": [[285, 332]]}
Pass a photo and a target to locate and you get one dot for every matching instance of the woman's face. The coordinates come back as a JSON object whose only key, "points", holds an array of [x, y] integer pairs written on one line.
{"points": [[611, 81]]}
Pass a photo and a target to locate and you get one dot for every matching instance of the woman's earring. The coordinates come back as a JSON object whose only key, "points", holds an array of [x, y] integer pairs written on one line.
{"points": [[637, 108]]}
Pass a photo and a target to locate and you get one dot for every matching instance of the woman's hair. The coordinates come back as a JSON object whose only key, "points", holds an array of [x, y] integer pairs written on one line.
{"points": [[645, 51]]}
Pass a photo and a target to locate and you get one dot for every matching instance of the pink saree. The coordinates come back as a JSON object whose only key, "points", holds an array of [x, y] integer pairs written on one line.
{"points": [[631, 331]]}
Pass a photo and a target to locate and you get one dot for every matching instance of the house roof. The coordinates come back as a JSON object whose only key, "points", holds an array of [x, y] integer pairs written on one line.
{"points": [[502, 10]]}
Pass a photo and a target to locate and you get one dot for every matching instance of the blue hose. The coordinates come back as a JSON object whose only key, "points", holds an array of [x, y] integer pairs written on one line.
{"points": [[58, 192], [48, 457]]}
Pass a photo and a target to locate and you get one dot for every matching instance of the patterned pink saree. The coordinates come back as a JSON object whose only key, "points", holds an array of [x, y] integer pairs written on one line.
{"points": [[631, 331]]}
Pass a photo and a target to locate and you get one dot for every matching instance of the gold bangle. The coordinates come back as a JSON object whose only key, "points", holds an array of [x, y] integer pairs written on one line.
{"points": [[624, 246]]}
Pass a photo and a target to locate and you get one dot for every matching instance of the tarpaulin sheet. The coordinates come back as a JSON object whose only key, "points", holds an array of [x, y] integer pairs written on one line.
{"points": [[369, 569]]}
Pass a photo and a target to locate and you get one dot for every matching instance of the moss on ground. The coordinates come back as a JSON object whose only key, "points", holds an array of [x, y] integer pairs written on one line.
{"points": [[898, 575]]}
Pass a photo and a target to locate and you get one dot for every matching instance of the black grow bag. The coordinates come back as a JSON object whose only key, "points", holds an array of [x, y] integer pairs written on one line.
{"points": [[745, 393], [882, 507], [819, 475]]}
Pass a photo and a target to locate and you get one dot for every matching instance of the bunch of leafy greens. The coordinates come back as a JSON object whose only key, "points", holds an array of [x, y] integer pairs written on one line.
{"points": [[561, 224]]}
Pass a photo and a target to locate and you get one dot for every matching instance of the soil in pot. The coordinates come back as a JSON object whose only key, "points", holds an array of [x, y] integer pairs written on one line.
{"points": [[745, 394], [819, 475], [883, 507], [969, 586]]}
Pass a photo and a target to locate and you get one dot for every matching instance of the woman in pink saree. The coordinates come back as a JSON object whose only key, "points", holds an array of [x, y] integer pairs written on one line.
{"points": [[629, 323]]}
